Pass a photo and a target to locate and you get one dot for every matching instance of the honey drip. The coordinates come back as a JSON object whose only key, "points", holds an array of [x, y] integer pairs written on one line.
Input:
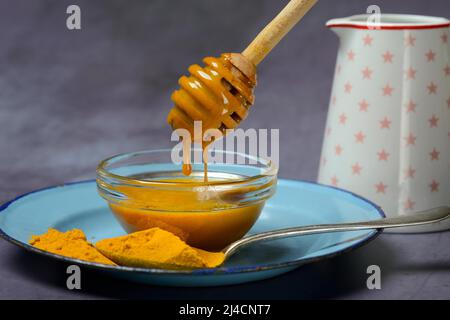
{"points": [[187, 169], [205, 162]]}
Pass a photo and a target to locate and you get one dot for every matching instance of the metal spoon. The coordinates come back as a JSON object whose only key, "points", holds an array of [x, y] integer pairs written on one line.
{"points": [[420, 218]]}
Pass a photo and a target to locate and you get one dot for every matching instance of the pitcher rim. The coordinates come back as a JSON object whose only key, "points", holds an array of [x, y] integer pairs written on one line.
{"points": [[392, 22]]}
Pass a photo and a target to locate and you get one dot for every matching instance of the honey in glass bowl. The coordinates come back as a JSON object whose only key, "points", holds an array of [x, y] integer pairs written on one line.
{"points": [[145, 190]]}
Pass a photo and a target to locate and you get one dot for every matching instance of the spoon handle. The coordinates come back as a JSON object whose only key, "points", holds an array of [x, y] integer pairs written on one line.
{"points": [[419, 218]]}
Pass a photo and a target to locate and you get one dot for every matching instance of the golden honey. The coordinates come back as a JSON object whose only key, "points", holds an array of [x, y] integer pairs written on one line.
{"points": [[204, 217]]}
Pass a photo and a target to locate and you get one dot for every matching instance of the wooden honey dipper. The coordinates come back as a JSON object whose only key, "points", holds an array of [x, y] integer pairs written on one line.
{"points": [[221, 93]]}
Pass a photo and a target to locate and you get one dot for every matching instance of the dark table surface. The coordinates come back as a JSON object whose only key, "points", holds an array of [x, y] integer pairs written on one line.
{"points": [[70, 98]]}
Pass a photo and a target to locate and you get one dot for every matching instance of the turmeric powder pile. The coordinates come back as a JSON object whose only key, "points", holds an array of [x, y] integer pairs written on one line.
{"points": [[152, 248], [157, 248], [72, 244]]}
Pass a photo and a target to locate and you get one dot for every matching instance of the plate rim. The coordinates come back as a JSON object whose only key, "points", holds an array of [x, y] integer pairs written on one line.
{"points": [[205, 271]]}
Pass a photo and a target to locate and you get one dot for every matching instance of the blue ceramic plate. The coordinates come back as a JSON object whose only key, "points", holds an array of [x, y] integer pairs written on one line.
{"points": [[296, 203]]}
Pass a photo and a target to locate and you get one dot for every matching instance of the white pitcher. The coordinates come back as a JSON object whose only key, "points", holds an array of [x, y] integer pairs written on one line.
{"points": [[387, 135]]}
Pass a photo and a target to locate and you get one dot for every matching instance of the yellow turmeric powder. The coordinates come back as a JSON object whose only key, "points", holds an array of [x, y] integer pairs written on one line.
{"points": [[157, 248], [72, 244]]}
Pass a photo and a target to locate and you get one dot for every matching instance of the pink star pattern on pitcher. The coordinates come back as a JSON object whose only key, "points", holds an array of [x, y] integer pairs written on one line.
{"points": [[411, 106], [434, 186], [367, 73], [433, 121], [411, 73], [359, 137], [356, 169], [381, 187], [410, 140], [342, 118], [431, 55], [334, 181], [351, 55], [410, 41], [409, 173], [432, 88], [383, 155], [385, 123], [389, 111], [444, 37], [434, 155], [387, 90], [363, 105], [447, 70], [338, 149], [367, 40], [409, 204], [387, 57], [348, 87]]}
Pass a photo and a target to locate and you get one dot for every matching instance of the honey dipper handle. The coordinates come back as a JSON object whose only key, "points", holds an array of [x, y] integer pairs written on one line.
{"points": [[269, 37]]}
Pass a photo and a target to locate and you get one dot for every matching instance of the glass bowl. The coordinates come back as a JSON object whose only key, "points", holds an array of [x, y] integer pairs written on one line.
{"points": [[147, 189]]}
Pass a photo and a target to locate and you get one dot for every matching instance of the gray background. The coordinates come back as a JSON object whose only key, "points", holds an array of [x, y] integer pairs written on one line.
{"points": [[71, 98]]}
